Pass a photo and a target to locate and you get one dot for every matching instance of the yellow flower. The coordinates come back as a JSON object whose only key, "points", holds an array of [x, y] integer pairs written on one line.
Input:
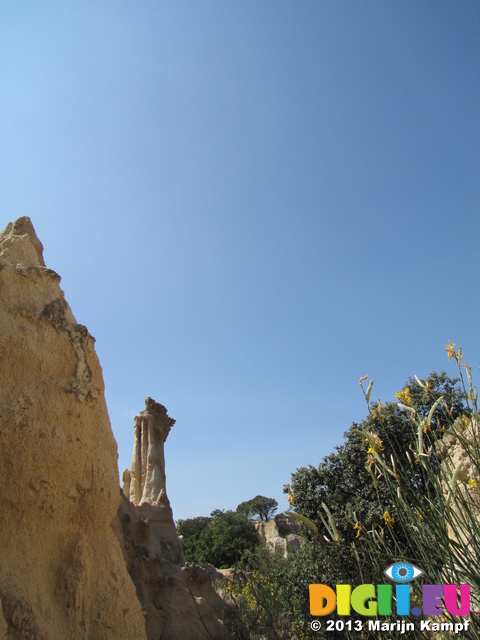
{"points": [[404, 396], [419, 514], [291, 498], [387, 518], [472, 482], [450, 349], [376, 443]]}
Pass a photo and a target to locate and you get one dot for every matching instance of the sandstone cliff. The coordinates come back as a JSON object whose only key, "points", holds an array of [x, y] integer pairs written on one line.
{"points": [[62, 574]]}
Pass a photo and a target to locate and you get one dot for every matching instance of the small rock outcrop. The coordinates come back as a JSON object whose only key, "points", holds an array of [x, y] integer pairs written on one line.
{"points": [[178, 599], [62, 574], [281, 533]]}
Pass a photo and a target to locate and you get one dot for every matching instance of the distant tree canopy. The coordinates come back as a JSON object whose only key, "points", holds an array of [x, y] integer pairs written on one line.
{"points": [[259, 507], [220, 539]]}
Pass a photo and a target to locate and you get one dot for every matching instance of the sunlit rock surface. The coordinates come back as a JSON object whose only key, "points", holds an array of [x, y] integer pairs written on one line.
{"points": [[179, 600], [62, 574]]}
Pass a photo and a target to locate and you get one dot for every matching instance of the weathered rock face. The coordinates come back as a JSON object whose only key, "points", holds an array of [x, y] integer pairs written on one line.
{"points": [[146, 480], [281, 533], [62, 574], [179, 601]]}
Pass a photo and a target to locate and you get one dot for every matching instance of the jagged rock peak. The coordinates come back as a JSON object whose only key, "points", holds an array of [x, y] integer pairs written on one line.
{"points": [[9, 240]]}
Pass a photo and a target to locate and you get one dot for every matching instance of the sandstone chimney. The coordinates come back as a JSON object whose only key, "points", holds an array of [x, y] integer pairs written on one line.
{"points": [[145, 481]]}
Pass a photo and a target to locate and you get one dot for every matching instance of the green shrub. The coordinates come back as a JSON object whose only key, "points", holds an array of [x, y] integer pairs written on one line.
{"points": [[221, 539]]}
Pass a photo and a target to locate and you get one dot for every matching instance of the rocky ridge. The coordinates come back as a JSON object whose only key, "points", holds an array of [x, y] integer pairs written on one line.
{"points": [[63, 573]]}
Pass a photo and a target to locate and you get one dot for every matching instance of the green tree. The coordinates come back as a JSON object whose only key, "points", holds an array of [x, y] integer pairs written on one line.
{"points": [[342, 482], [229, 536], [220, 539], [194, 537], [259, 507]]}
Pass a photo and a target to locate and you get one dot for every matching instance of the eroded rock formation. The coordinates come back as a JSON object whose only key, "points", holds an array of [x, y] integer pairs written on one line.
{"points": [[145, 481], [280, 533], [62, 574], [179, 600]]}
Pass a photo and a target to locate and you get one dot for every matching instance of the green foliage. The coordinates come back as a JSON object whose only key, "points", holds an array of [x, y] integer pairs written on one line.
{"points": [[258, 598], [259, 507], [343, 480], [229, 536], [404, 486], [221, 539], [396, 490], [194, 538], [441, 523]]}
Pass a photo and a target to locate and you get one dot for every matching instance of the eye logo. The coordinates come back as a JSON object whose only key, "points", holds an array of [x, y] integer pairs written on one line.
{"points": [[402, 572]]}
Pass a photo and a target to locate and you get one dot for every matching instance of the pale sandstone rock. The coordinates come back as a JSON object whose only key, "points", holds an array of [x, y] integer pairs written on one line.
{"points": [[146, 478], [281, 533], [62, 574], [179, 601]]}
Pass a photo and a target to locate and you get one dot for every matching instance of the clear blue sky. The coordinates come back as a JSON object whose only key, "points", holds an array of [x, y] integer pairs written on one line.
{"points": [[251, 204]]}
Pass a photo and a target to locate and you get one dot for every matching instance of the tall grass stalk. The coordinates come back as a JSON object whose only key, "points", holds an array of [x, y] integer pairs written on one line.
{"points": [[435, 490]]}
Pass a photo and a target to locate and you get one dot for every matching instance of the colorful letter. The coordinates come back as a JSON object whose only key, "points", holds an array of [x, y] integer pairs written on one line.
{"points": [[322, 599], [432, 593], [384, 597], [360, 595], [450, 594], [402, 592], [343, 599]]}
